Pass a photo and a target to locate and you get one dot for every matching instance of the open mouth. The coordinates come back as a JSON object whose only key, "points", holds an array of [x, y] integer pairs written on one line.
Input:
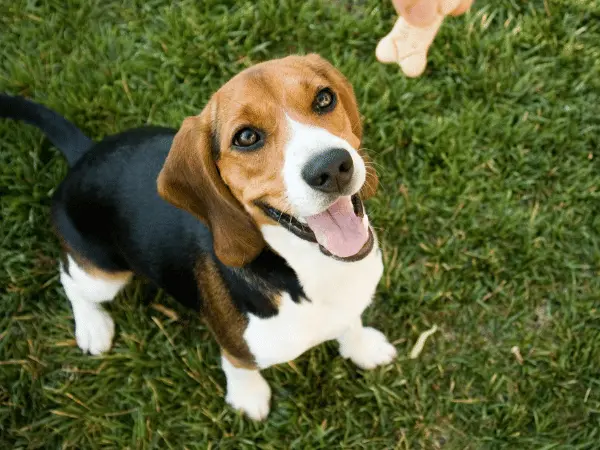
{"points": [[340, 230]]}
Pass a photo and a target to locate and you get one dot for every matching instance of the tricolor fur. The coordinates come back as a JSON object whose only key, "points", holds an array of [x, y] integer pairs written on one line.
{"points": [[250, 213]]}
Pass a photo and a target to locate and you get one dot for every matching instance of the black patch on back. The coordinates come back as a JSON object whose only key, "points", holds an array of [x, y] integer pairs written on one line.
{"points": [[108, 211]]}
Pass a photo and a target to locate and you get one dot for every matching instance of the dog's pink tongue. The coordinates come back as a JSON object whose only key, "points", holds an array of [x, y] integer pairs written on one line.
{"points": [[338, 229]]}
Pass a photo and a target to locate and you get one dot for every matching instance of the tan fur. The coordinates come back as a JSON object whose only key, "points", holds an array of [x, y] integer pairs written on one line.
{"points": [[222, 192], [109, 276], [90, 268], [220, 314], [238, 363]]}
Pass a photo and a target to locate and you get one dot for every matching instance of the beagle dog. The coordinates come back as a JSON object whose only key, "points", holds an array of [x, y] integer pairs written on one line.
{"points": [[251, 213]]}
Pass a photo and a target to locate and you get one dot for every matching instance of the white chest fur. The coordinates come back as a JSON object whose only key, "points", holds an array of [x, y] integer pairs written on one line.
{"points": [[338, 293]]}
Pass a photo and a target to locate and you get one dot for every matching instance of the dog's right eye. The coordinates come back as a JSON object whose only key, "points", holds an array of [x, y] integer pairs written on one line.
{"points": [[247, 139], [324, 101]]}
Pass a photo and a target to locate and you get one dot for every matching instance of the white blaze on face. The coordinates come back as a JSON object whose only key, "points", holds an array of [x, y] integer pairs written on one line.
{"points": [[336, 226]]}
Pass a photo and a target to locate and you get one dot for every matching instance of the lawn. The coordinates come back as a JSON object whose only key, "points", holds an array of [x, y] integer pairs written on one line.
{"points": [[489, 213]]}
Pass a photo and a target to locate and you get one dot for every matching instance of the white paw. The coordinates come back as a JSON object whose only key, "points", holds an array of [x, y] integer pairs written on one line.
{"points": [[250, 394], [94, 328], [369, 349]]}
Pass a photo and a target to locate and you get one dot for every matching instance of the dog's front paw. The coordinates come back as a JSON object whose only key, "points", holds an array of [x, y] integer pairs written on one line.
{"points": [[250, 394], [368, 348], [94, 328]]}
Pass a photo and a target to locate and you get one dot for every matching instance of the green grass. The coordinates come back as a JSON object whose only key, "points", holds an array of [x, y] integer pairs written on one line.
{"points": [[489, 212]]}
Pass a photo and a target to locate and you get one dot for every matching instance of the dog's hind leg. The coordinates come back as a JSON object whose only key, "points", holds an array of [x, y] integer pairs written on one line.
{"points": [[87, 287]]}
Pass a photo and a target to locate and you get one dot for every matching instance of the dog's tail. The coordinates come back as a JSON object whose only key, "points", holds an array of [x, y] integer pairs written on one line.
{"points": [[69, 139]]}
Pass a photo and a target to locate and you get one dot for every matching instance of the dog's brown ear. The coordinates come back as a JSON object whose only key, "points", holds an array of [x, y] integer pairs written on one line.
{"points": [[345, 94], [191, 181]]}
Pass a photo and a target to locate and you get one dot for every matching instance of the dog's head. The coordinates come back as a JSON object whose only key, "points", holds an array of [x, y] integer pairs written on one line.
{"points": [[277, 144]]}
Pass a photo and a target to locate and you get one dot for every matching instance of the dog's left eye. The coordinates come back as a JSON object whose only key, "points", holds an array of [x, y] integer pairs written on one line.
{"points": [[247, 139], [324, 101]]}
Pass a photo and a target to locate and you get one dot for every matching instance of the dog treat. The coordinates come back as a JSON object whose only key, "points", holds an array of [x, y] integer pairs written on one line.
{"points": [[409, 41]]}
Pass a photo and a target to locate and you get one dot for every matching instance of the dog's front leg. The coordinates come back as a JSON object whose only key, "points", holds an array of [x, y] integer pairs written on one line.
{"points": [[247, 390], [365, 346]]}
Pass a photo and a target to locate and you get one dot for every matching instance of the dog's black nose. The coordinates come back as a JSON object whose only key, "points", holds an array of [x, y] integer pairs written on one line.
{"points": [[330, 171]]}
